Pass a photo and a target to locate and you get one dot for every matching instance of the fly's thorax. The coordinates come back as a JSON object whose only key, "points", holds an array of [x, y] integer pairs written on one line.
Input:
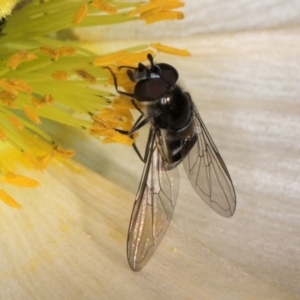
{"points": [[172, 111]]}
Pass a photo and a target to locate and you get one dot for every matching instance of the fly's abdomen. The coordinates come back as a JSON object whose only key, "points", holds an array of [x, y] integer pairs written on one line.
{"points": [[175, 145]]}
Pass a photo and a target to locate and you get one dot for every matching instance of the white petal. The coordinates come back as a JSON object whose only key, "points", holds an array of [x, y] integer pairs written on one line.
{"points": [[68, 242]]}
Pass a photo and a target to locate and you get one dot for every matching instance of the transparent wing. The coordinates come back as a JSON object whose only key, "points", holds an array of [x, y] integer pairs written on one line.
{"points": [[208, 173], [153, 209]]}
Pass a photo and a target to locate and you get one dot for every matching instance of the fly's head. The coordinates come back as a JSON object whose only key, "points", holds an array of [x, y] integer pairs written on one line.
{"points": [[152, 82]]}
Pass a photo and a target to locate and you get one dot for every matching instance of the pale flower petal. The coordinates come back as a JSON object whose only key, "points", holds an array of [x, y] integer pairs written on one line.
{"points": [[69, 242]]}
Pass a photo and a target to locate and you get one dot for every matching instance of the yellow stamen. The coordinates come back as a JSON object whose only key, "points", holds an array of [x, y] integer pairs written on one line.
{"points": [[48, 99], [50, 52], [56, 53], [104, 7], [40, 102], [66, 51], [20, 85], [171, 5], [44, 160], [3, 136], [118, 138], [149, 13], [7, 98], [143, 8], [7, 199], [156, 7], [112, 136], [170, 50], [101, 126], [19, 180], [134, 58], [8, 87], [33, 161], [108, 120], [80, 14], [122, 103], [15, 122], [109, 59], [115, 115], [64, 153], [166, 15], [86, 76], [31, 114], [60, 75], [19, 57]]}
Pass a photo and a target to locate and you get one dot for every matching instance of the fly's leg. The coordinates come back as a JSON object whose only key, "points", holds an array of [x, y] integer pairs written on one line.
{"points": [[140, 122], [116, 84]]}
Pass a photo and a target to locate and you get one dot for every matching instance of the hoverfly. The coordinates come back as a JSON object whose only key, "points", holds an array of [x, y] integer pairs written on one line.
{"points": [[177, 134]]}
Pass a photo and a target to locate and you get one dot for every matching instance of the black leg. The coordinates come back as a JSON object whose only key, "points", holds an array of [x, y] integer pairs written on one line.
{"points": [[127, 67], [141, 121], [136, 107], [150, 58], [116, 84], [147, 149]]}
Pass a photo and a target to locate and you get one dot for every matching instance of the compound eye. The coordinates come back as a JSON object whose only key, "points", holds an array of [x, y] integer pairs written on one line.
{"points": [[168, 74], [150, 89]]}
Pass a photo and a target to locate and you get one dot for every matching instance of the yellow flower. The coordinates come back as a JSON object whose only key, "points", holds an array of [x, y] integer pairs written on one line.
{"points": [[158, 10], [6, 7], [44, 78]]}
